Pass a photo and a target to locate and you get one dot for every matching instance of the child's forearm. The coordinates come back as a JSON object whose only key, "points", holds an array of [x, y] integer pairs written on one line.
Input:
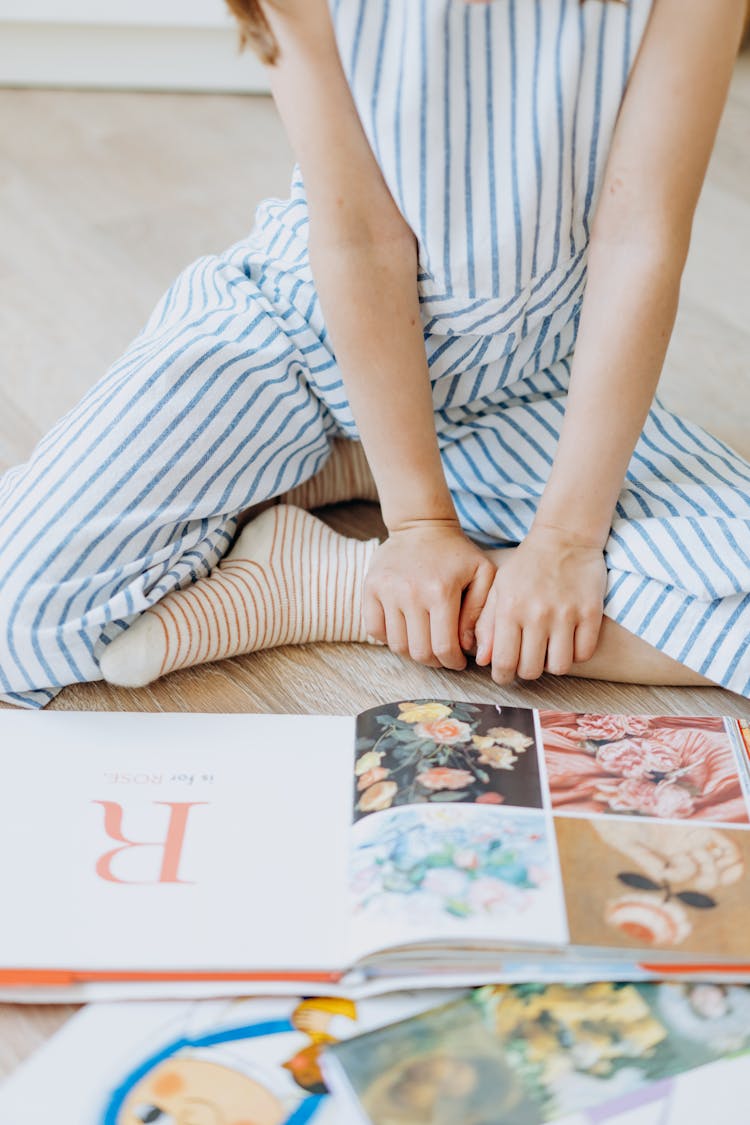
{"points": [[364, 261], [628, 316], [368, 292], [638, 248]]}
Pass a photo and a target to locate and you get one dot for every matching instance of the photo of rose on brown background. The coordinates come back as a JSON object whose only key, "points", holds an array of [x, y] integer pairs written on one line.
{"points": [[681, 888]]}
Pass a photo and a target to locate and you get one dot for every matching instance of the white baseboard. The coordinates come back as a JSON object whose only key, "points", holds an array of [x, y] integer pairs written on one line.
{"points": [[122, 57]]}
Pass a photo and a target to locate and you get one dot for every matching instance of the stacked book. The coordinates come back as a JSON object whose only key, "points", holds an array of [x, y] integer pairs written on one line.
{"points": [[341, 870]]}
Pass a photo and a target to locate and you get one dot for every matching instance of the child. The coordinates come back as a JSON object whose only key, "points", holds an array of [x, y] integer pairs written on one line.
{"points": [[469, 170]]}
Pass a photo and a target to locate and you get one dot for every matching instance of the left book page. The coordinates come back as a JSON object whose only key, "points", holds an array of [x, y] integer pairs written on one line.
{"points": [[174, 842]]}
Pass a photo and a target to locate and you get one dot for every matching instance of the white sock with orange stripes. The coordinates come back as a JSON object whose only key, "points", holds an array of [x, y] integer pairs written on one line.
{"points": [[345, 476], [289, 579]]}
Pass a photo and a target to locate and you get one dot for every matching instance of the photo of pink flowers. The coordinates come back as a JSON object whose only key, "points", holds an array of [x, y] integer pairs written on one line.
{"points": [[667, 767], [432, 751]]}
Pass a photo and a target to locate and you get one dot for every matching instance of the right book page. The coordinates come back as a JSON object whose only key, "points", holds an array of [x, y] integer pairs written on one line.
{"points": [[482, 823], [452, 840], [651, 819]]}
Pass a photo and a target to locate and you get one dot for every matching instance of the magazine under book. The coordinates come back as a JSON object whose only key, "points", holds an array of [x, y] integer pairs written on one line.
{"points": [[207, 1062], [422, 843], [646, 1054], [651, 1054]]}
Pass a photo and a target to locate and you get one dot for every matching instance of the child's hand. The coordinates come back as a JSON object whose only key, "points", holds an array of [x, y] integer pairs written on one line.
{"points": [[425, 590], [545, 608]]}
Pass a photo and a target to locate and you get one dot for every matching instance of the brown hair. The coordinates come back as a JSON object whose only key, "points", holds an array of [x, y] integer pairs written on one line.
{"points": [[254, 29]]}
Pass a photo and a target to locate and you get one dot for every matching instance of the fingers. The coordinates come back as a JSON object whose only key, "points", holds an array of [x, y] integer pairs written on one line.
{"points": [[397, 637], [515, 648], [424, 591], [506, 652], [407, 634], [587, 637], [524, 646], [533, 654], [420, 638], [421, 620], [444, 633], [485, 630], [560, 648], [373, 616], [473, 602]]}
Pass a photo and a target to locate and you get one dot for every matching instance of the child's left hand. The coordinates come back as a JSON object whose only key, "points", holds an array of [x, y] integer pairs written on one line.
{"points": [[545, 608]]}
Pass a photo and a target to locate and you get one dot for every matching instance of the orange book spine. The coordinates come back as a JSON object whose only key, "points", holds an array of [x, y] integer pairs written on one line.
{"points": [[63, 977]]}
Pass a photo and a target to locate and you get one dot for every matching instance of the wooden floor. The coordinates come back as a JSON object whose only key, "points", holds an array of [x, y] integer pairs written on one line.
{"points": [[104, 197]]}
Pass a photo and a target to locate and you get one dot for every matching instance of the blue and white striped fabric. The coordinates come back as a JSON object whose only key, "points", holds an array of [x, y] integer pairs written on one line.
{"points": [[492, 125]]}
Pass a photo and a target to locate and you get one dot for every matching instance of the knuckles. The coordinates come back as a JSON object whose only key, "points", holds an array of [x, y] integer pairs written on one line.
{"points": [[569, 615], [403, 590]]}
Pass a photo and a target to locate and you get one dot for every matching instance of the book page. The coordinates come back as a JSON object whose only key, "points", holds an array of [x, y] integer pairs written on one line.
{"points": [[174, 842], [452, 841], [475, 823], [653, 831]]}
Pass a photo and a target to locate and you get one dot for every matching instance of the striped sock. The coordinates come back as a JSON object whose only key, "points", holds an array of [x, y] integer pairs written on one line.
{"points": [[289, 579], [345, 476]]}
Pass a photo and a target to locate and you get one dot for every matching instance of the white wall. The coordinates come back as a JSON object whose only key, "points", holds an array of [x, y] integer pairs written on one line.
{"points": [[124, 44], [170, 13]]}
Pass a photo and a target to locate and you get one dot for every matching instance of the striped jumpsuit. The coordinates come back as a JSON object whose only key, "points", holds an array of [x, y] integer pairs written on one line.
{"points": [[492, 125]]}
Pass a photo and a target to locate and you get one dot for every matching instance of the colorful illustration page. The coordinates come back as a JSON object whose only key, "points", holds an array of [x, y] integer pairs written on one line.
{"points": [[489, 823], [174, 842], [209, 1062], [453, 839]]}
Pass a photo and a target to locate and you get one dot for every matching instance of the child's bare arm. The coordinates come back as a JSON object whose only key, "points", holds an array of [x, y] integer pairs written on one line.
{"points": [[547, 603], [364, 259]]}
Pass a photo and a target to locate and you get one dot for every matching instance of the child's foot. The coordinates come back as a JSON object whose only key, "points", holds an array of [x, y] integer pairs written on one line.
{"points": [[289, 579], [345, 476]]}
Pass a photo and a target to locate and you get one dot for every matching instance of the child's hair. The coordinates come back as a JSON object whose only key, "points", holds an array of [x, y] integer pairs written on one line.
{"points": [[254, 29]]}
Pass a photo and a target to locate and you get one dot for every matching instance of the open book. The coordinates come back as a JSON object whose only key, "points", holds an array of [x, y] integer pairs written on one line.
{"points": [[420, 843]]}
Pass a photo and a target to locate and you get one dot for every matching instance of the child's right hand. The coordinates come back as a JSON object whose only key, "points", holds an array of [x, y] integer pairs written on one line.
{"points": [[426, 586]]}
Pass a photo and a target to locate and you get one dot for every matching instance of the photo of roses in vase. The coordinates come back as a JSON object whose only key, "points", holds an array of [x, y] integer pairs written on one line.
{"points": [[435, 751]]}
